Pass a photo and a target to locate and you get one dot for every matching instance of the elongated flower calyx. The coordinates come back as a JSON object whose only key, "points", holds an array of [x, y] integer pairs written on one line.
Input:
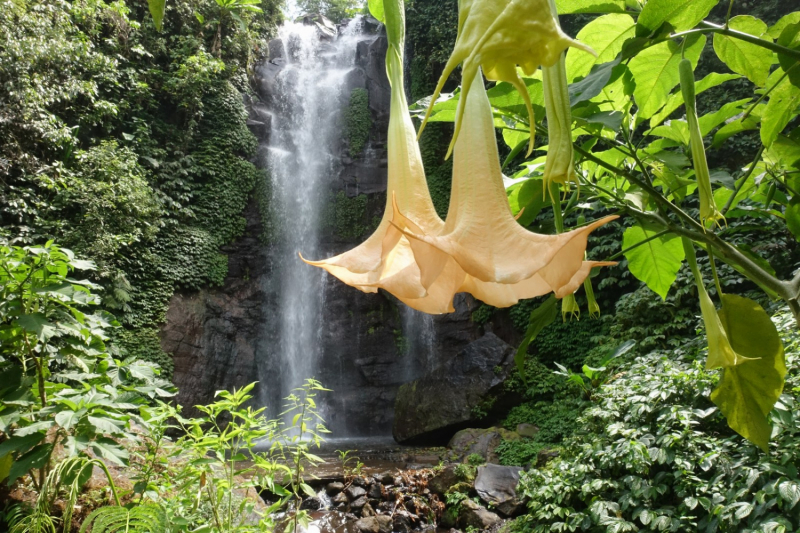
{"points": [[503, 261], [720, 352], [560, 163], [708, 207], [499, 35]]}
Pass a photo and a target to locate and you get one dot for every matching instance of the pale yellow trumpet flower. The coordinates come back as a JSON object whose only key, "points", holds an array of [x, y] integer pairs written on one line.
{"points": [[499, 35], [503, 261], [385, 259]]}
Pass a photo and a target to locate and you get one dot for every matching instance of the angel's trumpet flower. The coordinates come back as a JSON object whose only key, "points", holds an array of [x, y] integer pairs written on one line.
{"points": [[385, 259], [498, 35], [503, 261]]}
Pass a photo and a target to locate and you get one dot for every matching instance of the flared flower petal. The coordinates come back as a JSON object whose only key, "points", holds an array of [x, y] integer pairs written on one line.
{"points": [[503, 261], [499, 35]]}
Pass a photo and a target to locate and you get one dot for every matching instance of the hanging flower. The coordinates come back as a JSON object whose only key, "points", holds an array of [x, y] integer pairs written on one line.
{"points": [[498, 35], [503, 261], [385, 259]]}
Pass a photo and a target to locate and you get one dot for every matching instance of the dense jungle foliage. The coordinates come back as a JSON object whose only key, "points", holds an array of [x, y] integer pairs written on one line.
{"points": [[129, 145], [126, 163]]}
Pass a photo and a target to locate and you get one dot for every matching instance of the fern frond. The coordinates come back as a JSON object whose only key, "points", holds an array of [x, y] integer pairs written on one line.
{"points": [[24, 519], [146, 518]]}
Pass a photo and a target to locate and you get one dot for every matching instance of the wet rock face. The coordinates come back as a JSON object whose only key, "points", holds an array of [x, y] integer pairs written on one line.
{"points": [[223, 337], [431, 408]]}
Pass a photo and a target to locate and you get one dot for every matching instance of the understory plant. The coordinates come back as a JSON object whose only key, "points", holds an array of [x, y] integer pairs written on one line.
{"points": [[652, 453]]}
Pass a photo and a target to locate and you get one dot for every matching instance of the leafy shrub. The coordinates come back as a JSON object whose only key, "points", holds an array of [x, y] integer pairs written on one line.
{"points": [[653, 454], [358, 121]]}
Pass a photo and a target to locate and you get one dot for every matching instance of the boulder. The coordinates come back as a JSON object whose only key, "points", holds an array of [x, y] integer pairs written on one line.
{"points": [[401, 522], [354, 492], [266, 78], [358, 503], [384, 523], [443, 400], [480, 441], [340, 499], [259, 129], [375, 491], [367, 510], [497, 485], [334, 487], [368, 524], [473, 515], [444, 479], [527, 430], [312, 504]]}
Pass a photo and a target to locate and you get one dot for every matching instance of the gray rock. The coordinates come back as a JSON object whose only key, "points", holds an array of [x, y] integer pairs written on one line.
{"points": [[431, 407], [358, 503], [340, 499], [354, 492], [401, 523], [266, 77], [497, 485], [259, 129], [473, 515], [384, 523], [545, 456], [446, 478], [275, 47], [312, 504], [479, 441], [375, 491], [368, 525], [367, 510], [335, 487], [355, 78], [527, 430]]}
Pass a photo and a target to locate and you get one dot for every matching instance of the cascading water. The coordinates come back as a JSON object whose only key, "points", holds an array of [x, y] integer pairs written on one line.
{"points": [[301, 159], [323, 200]]}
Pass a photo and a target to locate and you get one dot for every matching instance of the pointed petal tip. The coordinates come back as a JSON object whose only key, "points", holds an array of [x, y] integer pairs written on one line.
{"points": [[312, 263]]}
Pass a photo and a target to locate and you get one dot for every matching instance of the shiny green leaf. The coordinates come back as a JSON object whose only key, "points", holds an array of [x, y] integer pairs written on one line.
{"points": [[657, 261]]}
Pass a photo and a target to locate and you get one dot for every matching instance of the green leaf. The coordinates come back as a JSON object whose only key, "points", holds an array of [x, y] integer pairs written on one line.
{"points": [[655, 262], [376, 10], [109, 449], [655, 71], [5, 466], [565, 7], [676, 99], [776, 29], [747, 392], [790, 38], [37, 324], [679, 14], [529, 196], [67, 419], [157, 10], [605, 35], [20, 444], [782, 106], [34, 428], [745, 58], [593, 84], [541, 317], [35, 458]]}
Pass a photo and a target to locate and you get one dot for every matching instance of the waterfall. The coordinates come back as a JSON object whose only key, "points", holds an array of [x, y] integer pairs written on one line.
{"points": [[309, 98]]}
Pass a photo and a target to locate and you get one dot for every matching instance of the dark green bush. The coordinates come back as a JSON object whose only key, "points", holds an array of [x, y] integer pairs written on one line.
{"points": [[652, 453]]}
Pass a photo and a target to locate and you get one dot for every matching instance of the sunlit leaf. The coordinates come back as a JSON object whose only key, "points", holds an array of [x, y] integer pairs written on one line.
{"points": [[655, 71], [655, 262], [605, 35], [745, 58], [679, 14], [157, 9], [748, 392]]}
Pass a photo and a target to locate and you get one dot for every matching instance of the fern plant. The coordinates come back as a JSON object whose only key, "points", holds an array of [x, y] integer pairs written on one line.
{"points": [[145, 518]]}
